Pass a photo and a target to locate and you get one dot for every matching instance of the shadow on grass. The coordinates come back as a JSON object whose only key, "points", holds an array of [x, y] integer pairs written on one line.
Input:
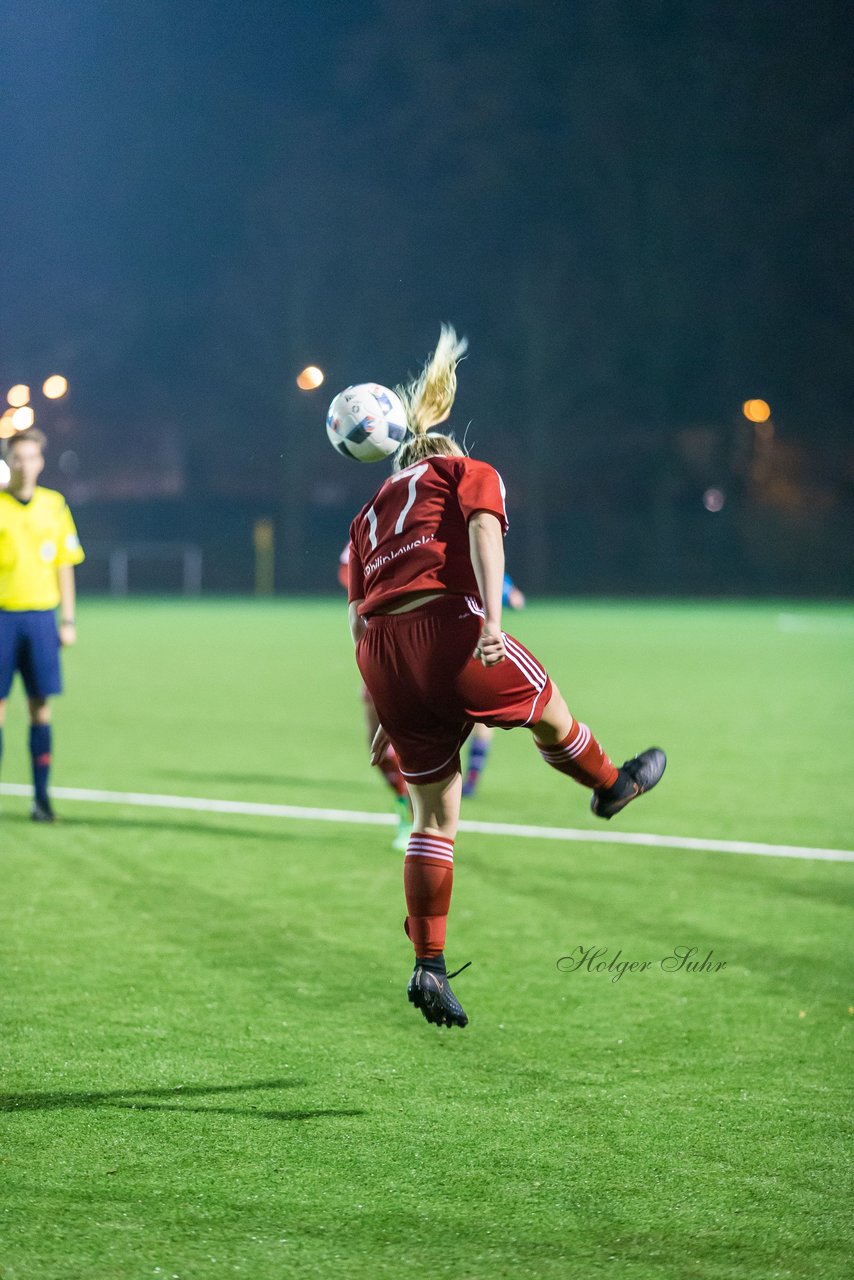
{"points": [[153, 823], [124, 1098]]}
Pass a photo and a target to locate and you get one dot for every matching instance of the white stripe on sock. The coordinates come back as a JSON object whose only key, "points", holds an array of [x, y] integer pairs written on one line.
{"points": [[430, 853], [570, 752]]}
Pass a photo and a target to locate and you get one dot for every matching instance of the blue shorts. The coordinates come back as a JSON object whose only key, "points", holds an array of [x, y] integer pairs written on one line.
{"points": [[29, 643]]}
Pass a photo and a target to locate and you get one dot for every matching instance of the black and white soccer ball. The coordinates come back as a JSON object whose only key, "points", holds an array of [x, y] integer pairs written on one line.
{"points": [[366, 422]]}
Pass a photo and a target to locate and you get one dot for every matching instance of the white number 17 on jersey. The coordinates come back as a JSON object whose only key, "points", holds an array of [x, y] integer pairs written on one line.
{"points": [[412, 475]]}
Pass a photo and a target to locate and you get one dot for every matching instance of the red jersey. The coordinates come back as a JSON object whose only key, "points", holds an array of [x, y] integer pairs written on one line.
{"points": [[413, 535]]}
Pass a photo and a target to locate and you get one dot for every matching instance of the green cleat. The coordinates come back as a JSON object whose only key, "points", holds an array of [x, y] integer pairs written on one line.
{"points": [[404, 825]]}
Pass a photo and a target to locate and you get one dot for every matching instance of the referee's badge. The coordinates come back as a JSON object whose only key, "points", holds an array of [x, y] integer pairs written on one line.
{"points": [[47, 551]]}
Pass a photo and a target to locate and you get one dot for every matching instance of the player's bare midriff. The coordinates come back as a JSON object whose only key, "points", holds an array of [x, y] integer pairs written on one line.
{"points": [[407, 601]]}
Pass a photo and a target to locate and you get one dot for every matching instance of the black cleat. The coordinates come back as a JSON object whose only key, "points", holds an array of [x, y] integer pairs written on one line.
{"points": [[42, 811], [637, 775], [431, 993]]}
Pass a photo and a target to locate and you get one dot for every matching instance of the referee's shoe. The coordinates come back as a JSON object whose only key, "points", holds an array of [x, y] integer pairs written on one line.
{"points": [[42, 811]]}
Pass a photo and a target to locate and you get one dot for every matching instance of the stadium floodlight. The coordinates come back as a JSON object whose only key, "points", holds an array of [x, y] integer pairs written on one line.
{"points": [[55, 386], [23, 418], [756, 410], [310, 378], [18, 395]]}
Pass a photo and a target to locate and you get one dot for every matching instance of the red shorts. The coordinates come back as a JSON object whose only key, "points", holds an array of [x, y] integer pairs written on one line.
{"points": [[429, 690]]}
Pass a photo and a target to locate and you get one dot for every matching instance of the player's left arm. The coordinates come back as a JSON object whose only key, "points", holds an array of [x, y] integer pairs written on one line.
{"points": [[67, 600], [358, 626], [69, 554], [355, 589]]}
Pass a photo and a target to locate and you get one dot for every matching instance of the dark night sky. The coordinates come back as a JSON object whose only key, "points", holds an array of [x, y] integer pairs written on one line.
{"points": [[639, 213]]}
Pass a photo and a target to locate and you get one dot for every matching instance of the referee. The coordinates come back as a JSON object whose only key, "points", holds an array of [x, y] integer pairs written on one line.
{"points": [[38, 551]]}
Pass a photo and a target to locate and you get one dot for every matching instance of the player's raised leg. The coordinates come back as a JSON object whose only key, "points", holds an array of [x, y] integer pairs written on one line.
{"points": [[570, 747], [428, 877]]}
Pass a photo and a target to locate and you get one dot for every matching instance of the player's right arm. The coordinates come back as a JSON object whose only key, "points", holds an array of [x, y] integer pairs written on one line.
{"points": [[480, 493], [486, 547]]}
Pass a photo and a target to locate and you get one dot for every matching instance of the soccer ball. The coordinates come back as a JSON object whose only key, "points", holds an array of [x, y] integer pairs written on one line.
{"points": [[366, 422]]}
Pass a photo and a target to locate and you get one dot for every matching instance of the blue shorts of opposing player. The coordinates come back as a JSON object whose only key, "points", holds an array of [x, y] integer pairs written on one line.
{"points": [[29, 643]]}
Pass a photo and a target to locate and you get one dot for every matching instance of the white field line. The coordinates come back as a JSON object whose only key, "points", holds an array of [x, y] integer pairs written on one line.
{"points": [[353, 817]]}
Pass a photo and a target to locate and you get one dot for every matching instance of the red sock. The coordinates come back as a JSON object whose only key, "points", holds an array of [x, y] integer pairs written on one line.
{"points": [[428, 875], [581, 757], [391, 772]]}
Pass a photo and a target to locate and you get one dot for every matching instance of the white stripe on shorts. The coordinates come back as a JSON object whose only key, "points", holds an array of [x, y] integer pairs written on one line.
{"points": [[538, 680], [433, 770], [526, 662]]}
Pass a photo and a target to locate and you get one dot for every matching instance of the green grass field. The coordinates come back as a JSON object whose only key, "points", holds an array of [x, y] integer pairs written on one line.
{"points": [[209, 1065]]}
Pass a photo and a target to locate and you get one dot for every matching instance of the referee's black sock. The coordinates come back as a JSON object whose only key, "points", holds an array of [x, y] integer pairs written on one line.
{"points": [[41, 740]]}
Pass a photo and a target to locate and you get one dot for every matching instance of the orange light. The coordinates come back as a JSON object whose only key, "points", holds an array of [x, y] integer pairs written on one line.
{"points": [[7, 426], [310, 378], [756, 410], [18, 395], [55, 386], [23, 418]]}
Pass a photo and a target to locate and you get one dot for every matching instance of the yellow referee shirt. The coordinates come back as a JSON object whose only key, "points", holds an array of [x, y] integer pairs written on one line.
{"points": [[36, 537]]}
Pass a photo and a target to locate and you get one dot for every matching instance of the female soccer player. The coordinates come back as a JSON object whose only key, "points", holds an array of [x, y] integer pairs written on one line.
{"points": [[425, 584]]}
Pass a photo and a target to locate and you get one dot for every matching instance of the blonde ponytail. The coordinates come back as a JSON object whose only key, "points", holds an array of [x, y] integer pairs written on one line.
{"points": [[428, 401]]}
